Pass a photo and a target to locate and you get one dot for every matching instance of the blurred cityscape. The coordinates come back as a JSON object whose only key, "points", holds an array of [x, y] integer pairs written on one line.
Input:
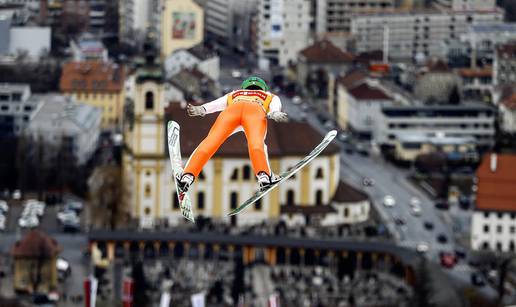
{"points": [[413, 204]]}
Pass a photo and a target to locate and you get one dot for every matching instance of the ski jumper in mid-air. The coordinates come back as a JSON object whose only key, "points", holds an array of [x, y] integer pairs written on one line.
{"points": [[245, 110]]}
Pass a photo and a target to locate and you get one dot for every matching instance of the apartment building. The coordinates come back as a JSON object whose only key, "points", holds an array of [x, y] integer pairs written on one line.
{"points": [[504, 66], [411, 35], [283, 30], [16, 107], [476, 120]]}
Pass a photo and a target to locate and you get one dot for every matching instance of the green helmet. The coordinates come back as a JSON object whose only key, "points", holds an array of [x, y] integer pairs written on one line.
{"points": [[256, 81]]}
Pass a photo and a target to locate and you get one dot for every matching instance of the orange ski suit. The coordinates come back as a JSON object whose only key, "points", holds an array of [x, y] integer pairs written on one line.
{"points": [[245, 109]]}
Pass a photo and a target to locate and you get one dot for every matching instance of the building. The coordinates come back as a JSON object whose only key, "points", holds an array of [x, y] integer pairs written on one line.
{"points": [[193, 85], [228, 23], [198, 56], [34, 263], [61, 122], [16, 40], [348, 206], [227, 179], [321, 56], [88, 48], [493, 225], [477, 83], [465, 5], [408, 147], [335, 15], [504, 68], [136, 18], [181, 26], [482, 40], [98, 84], [16, 107], [420, 34], [283, 31], [465, 120], [507, 108]]}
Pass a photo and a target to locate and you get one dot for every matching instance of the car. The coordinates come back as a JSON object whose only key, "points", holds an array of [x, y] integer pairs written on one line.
{"points": [[66, 215], [441, 238], [75, 205], [296, 100], [448, 260], [422, 247], [428, 225], [414, 201], [343, 137], [389, 201], [361, 149], [416, 210], [236, 74], [16, 194], [28, 222], [460, 253], [63, 268], [305, 107], [399, 221], [2, 222], [368, 182], [37, 206], [443, 205], [4, 208]]}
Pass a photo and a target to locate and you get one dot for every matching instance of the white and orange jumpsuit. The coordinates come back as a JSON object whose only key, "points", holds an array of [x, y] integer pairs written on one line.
{"points": [[241, 110]]}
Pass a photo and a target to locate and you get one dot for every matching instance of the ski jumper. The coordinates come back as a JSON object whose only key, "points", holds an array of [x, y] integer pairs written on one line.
{"points": [[241, 110]]}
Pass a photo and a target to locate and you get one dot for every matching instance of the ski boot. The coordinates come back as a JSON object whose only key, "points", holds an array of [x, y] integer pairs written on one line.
{"points": [[265, 181], [184, 182]]}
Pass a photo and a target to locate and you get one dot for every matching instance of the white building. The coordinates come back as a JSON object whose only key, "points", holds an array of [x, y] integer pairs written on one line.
{"points": [[62, 122], [483, 39], [206, 61], [16, 106], [283, 30], [507, 107], [136, 17], [466, 120], [228, 22], [465, 5], [35, 41], [493, 225], [405, 35]]}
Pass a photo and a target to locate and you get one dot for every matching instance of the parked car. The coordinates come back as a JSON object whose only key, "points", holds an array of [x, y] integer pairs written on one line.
{"points": [[448, 260], [441, 238], [16, 194], [368, 182], [2, 222], [428, 225], [422, 247], [66, 215], [362, 149], [63, 268], [389, 201], [399, 221], [4, 208], [75, 205], [414, 201], [30, 221], [416, 210], [37, 206], [477, 279]]}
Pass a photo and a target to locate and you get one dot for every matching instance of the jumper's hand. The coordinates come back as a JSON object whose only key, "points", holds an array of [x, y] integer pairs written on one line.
{"points": [[195, 110], [278, 116]]}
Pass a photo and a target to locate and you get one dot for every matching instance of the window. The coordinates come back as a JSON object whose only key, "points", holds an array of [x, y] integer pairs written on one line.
{"points": [[346, 212], [486, 228], [486, 214], [147, 191], [485, 246], [290, 197], [319, 173], [258, 204], [234, 175], [499, 246], [147, 211], [511, 246], [16, 97], [246, 172], [500, 215], [512, 229], [175, 201], [318, 197], [233, 200], [499, 228], [200, 200], [149, 101]]}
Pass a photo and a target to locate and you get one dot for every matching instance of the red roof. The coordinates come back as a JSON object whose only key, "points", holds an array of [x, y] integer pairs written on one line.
{"points": [[283, 139], [325, 51], [497, 188], [476, 72], [352, 78], [348, 194], [510, 102], [366, 92], [92, 76]]}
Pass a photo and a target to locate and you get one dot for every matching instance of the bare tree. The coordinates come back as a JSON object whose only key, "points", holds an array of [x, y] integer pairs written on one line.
{"points": [[105, 194]]}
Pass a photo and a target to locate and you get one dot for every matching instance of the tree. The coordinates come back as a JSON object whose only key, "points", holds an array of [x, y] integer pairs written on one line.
{"points": [[105, 194], [423, 289]]}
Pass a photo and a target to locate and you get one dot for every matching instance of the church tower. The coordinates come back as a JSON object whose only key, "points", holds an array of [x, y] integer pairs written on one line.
{"points": [[144, 157]]}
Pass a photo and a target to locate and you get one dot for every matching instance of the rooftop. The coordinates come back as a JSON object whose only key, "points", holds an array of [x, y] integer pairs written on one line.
{"points": [[201, 52], [324, 51], [352, 78], [348, 194], [280, 139], [476, 72], [496, 181], [92, 76], [509, 49], [365, 91]]}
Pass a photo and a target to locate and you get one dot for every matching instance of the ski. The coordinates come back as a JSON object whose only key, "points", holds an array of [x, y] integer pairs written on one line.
{"points": [[287, 174], [174, 151]]}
